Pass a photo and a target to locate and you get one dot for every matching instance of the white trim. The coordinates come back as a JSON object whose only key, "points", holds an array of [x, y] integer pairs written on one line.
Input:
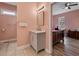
{"points": [[61, 12], [48, 51], [23, 46], [50, 39]]}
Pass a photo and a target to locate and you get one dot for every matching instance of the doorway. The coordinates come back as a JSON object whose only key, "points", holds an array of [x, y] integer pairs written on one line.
{"points": [[70, 43], [8, 28], [58, 27]]}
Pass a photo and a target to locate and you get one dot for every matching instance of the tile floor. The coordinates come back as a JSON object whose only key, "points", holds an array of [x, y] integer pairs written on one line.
{"points": [[10, 49]]}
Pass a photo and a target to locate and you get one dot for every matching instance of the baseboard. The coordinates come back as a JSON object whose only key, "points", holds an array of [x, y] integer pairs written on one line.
{"points": [[23, 46], [48, 51], [9, 40]]}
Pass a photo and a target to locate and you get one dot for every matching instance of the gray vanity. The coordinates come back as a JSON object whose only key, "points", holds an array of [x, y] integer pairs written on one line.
{"points": [[38, 40]]}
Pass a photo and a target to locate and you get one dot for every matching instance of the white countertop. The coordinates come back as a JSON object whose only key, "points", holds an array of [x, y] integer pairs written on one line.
{"points": [[37, 31]]}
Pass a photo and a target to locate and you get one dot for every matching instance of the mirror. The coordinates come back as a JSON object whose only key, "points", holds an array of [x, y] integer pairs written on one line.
{"points": [[40, 18]]}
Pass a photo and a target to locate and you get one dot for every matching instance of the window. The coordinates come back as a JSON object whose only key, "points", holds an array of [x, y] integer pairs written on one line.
{"points": [[8, 12], [61, 23]]}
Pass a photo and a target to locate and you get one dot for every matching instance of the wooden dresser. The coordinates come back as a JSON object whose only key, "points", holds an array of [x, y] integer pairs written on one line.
{"points": [[57, 36], [73, 34]]}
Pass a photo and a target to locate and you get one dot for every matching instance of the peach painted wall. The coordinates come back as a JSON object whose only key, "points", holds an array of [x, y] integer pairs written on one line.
{"points": [[71, 19], [27, 12], [8, 23]]}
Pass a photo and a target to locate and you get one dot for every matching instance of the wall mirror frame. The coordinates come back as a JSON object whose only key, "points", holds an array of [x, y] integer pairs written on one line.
{"points": [[40, 18]]}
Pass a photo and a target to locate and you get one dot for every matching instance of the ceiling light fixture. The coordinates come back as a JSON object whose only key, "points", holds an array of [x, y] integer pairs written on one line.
{"points": [[68, 5], [67, 8], [41, 8]]}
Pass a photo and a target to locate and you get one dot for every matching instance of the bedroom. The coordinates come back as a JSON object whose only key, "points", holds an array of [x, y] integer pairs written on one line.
{"points": [[65, 28]]}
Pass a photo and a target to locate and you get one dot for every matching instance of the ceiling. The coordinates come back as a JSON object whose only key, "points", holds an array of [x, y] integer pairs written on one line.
{"points": [[11, 3], [59, 7]]}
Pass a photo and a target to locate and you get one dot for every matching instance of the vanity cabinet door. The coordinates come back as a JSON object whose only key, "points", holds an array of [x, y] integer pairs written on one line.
{"points": [[34, 40], [40, 41]]}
